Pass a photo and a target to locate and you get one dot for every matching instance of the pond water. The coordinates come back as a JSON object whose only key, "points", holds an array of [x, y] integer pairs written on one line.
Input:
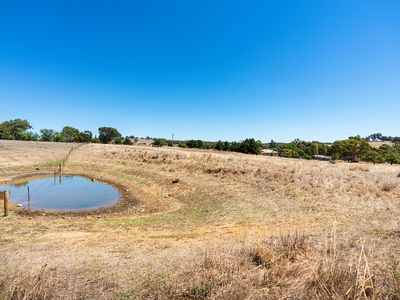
{"points": [[61, 192]]}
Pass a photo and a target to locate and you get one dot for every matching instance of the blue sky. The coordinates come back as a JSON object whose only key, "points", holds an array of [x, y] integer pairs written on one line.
{"points": [[315, 70]]}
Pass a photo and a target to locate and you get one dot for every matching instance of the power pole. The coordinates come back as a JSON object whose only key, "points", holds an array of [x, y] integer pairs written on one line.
{"points": [[172, 139]]}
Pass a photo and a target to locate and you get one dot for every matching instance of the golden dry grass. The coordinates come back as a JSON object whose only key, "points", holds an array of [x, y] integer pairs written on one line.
{"points": [[377, 145], [28, 156], [235, 226]]}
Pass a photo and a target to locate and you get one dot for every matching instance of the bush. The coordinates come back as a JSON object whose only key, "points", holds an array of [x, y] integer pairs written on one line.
{"points": [[290, 153], [118, 140], [159, 142], [195, 144], [127, 141], [250, 146]]}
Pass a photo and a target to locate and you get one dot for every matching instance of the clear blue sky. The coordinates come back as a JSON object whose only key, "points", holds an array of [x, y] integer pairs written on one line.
{"points": [[315, 70]]}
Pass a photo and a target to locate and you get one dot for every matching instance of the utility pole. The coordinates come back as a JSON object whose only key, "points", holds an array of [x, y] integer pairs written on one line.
{"points": [[172, 139]]}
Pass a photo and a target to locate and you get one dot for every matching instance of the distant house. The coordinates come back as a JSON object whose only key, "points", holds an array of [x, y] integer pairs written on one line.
{"points": [[322, 157], [142, 142], [269, 152]]}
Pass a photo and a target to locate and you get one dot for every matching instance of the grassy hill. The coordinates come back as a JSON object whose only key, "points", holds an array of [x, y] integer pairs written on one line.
{"points": [[235, 226]]}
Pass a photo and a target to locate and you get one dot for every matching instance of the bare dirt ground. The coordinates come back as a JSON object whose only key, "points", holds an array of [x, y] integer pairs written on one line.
{"points": [[235, 226]]}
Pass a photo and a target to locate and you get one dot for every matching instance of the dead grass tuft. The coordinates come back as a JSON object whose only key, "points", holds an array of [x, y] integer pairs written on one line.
{"points": [[361, 168], [50, 283], [291, 245], [261, 256], [224, 171], [388, 186], [291, 266]]}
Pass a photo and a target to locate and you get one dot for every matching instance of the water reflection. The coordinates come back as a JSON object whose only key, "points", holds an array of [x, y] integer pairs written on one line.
{"points": [[61, 192]]}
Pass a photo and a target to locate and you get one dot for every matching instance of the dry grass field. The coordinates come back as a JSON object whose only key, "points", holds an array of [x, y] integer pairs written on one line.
{"points": [[377, 145], [235, 226]]}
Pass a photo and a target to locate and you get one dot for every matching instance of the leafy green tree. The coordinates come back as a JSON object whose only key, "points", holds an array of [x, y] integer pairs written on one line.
{"points": [[127, 141], [351, 149], [301, 149], [219, 146], [287, 152], [273, 145], [69, 134], [393, 158], [235, 146], [15, 130], [192, 144], [159, 142], [314, 149], [85, 136], [322, 149], [396, 147], [30, 136], [57, 137], [95, 140], [371, 156], [47, 135], [118, 140], [250, 146], [107, 134], [226, 146]]}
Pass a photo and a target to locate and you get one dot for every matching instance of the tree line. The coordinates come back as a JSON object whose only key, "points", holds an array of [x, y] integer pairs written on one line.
{"points": [[248, 146], [379, 137], [19, 129], [353, 149]]}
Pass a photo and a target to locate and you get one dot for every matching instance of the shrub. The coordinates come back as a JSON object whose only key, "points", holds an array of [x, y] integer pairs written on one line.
{"points": [[290, 153], [250, 146], [159, 142], [261, 256], [118, 140], [127, 141]]}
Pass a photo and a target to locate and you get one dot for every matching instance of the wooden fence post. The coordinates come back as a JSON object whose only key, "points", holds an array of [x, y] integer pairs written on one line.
{"points": [[29, 199], [6, 201]]}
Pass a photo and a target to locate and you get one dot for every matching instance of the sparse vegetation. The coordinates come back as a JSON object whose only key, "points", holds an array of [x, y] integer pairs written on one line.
{"points": [[235, 226]]}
